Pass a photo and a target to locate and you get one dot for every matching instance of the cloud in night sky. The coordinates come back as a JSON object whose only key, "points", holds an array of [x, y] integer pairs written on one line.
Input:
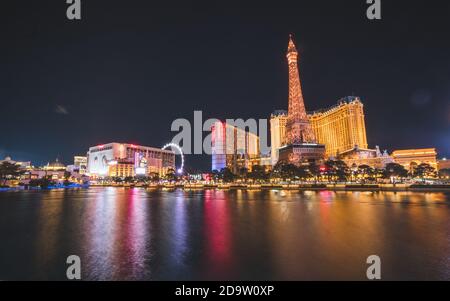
{"points": [[61, 110], [420, 98]]}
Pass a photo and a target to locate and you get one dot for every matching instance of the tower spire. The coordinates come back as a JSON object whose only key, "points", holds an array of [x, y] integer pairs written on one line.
{"points": [[291, 45], [298, 127]]}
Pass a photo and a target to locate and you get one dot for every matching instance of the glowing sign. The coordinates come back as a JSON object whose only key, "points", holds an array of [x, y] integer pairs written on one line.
{"points": [[140, 164], [140, 171]]}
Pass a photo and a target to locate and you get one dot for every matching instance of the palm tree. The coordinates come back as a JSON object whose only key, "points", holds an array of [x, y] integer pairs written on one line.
{"points": [[365, 171], [154, 176], [243, 173], [288, 171], [395, 170], [336, 169], [258, 173], [276, 171], [170, 175], [424, 170], [303, 173], [128, 179], [314, 170], [117, 180], [67, 175], [9, 170], [43, 182], [226, 175]]}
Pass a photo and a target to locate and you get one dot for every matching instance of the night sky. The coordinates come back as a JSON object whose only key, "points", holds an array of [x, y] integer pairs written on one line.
{"points": [[129, 68]]}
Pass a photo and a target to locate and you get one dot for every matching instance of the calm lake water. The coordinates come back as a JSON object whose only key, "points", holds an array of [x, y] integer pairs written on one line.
{"points": [[134, 234]]}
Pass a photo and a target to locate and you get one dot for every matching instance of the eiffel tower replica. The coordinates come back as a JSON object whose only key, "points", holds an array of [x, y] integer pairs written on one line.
{"points": [[300, 145]]}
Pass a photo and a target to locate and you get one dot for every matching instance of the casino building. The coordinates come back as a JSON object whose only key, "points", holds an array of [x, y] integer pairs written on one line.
{"points": [[341, 127], [278, 121], [233, 148], [410, 158], [362, 156], [443, 163], [123, 160]]}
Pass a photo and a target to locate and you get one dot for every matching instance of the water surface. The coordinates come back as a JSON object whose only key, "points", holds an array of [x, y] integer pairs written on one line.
{"points": [[134, 234]]}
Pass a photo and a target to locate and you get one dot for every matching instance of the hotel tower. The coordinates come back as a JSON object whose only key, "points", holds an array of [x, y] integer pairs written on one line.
{"points": [[342, 127]]}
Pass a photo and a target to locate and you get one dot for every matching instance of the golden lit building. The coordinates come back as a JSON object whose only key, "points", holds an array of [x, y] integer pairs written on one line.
{"points": [[444, 163], [410, 158], [55, 166], [342, 127], [80, 164], [123, 160], [278, 121], [360, 156], [23, 165], [122, 169]]}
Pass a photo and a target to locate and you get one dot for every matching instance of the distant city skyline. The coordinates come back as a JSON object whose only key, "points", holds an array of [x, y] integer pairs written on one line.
{"points": [[124, 74]]}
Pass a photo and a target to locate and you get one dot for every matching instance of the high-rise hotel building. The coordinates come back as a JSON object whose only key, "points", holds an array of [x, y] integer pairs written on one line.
{"points": [[233, 148], [341, 127], [278, 121]]}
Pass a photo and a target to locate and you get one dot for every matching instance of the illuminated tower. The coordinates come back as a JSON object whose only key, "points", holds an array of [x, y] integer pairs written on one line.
{"points": [[299, 147], [298, 127]]}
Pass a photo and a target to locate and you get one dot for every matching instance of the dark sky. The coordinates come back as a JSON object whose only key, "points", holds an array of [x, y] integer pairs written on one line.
{"points": [[129, 68]]}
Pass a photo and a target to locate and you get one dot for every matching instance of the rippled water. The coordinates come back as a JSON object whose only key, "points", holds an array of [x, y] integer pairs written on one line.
{"points": [[134, 234]]}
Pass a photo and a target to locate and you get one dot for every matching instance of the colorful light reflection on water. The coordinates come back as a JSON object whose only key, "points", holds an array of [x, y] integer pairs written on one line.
{"points": [[134, 234]]}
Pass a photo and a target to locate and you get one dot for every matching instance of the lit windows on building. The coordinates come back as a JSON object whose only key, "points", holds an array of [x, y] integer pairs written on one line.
{"points": [[122, 169], [443, 163], [80, 164], [361, 156], [55, 166], [123, 160], [278, 121], [341, 127], [233, 148], [410, 158]]}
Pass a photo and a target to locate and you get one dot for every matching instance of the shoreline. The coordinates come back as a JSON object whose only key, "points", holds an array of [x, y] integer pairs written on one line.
{"points": [[300, 187], [261, 187], [290, 187]]}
